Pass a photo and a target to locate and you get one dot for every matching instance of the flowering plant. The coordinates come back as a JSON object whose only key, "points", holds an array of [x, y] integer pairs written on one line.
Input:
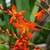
{"points": [[25, 28]]}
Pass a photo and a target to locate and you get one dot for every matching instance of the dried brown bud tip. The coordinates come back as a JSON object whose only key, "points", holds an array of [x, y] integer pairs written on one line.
{"points": [[43, 0], [38, 5], [1, 7]]}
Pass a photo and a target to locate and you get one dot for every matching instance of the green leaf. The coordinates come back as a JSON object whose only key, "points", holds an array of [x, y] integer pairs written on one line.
{"points": [[1, 40], [4, 37], [26, 7], [4, 47], [2, 23], [19, 5]]}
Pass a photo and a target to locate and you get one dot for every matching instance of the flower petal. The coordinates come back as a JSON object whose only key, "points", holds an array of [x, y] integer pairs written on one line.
{"points": [[35, 14], [29, 34], [20, 31], [14, 9], [11, 19]]}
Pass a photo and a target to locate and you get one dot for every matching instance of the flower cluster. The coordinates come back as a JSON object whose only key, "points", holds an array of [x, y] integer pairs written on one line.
{"points": [[24, 28], [22, 43], [21, 23], [18, 21]]}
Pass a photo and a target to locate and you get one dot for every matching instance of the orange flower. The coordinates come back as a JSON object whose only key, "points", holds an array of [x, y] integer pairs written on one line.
{"points": [[21, 22], [16, 15], [21, 43], [25, 27], [32, 26], [39, 15], [16, 25]]}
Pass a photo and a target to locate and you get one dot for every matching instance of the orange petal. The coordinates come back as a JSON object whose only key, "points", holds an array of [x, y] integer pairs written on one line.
{"points": [[30, 43], [22, 12], [29, 34], [31, 25], [35, 14], [39, 17], [14, 9], [24, 37], [16, 25], [17, 41], [35, 29], [12, 18], [20, 31]]}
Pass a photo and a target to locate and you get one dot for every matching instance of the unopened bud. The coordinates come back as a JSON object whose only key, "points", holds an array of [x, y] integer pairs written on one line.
{"points": [[43, 0], [1, 7], [38, 5]]}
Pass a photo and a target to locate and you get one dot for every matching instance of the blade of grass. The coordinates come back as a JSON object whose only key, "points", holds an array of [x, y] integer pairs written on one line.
{"points": [[19, 5], [4, 47], [6, 17], [26, 6]]}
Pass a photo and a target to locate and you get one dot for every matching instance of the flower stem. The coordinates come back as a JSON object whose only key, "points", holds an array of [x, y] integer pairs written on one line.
{"points": [[42, 27]]}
